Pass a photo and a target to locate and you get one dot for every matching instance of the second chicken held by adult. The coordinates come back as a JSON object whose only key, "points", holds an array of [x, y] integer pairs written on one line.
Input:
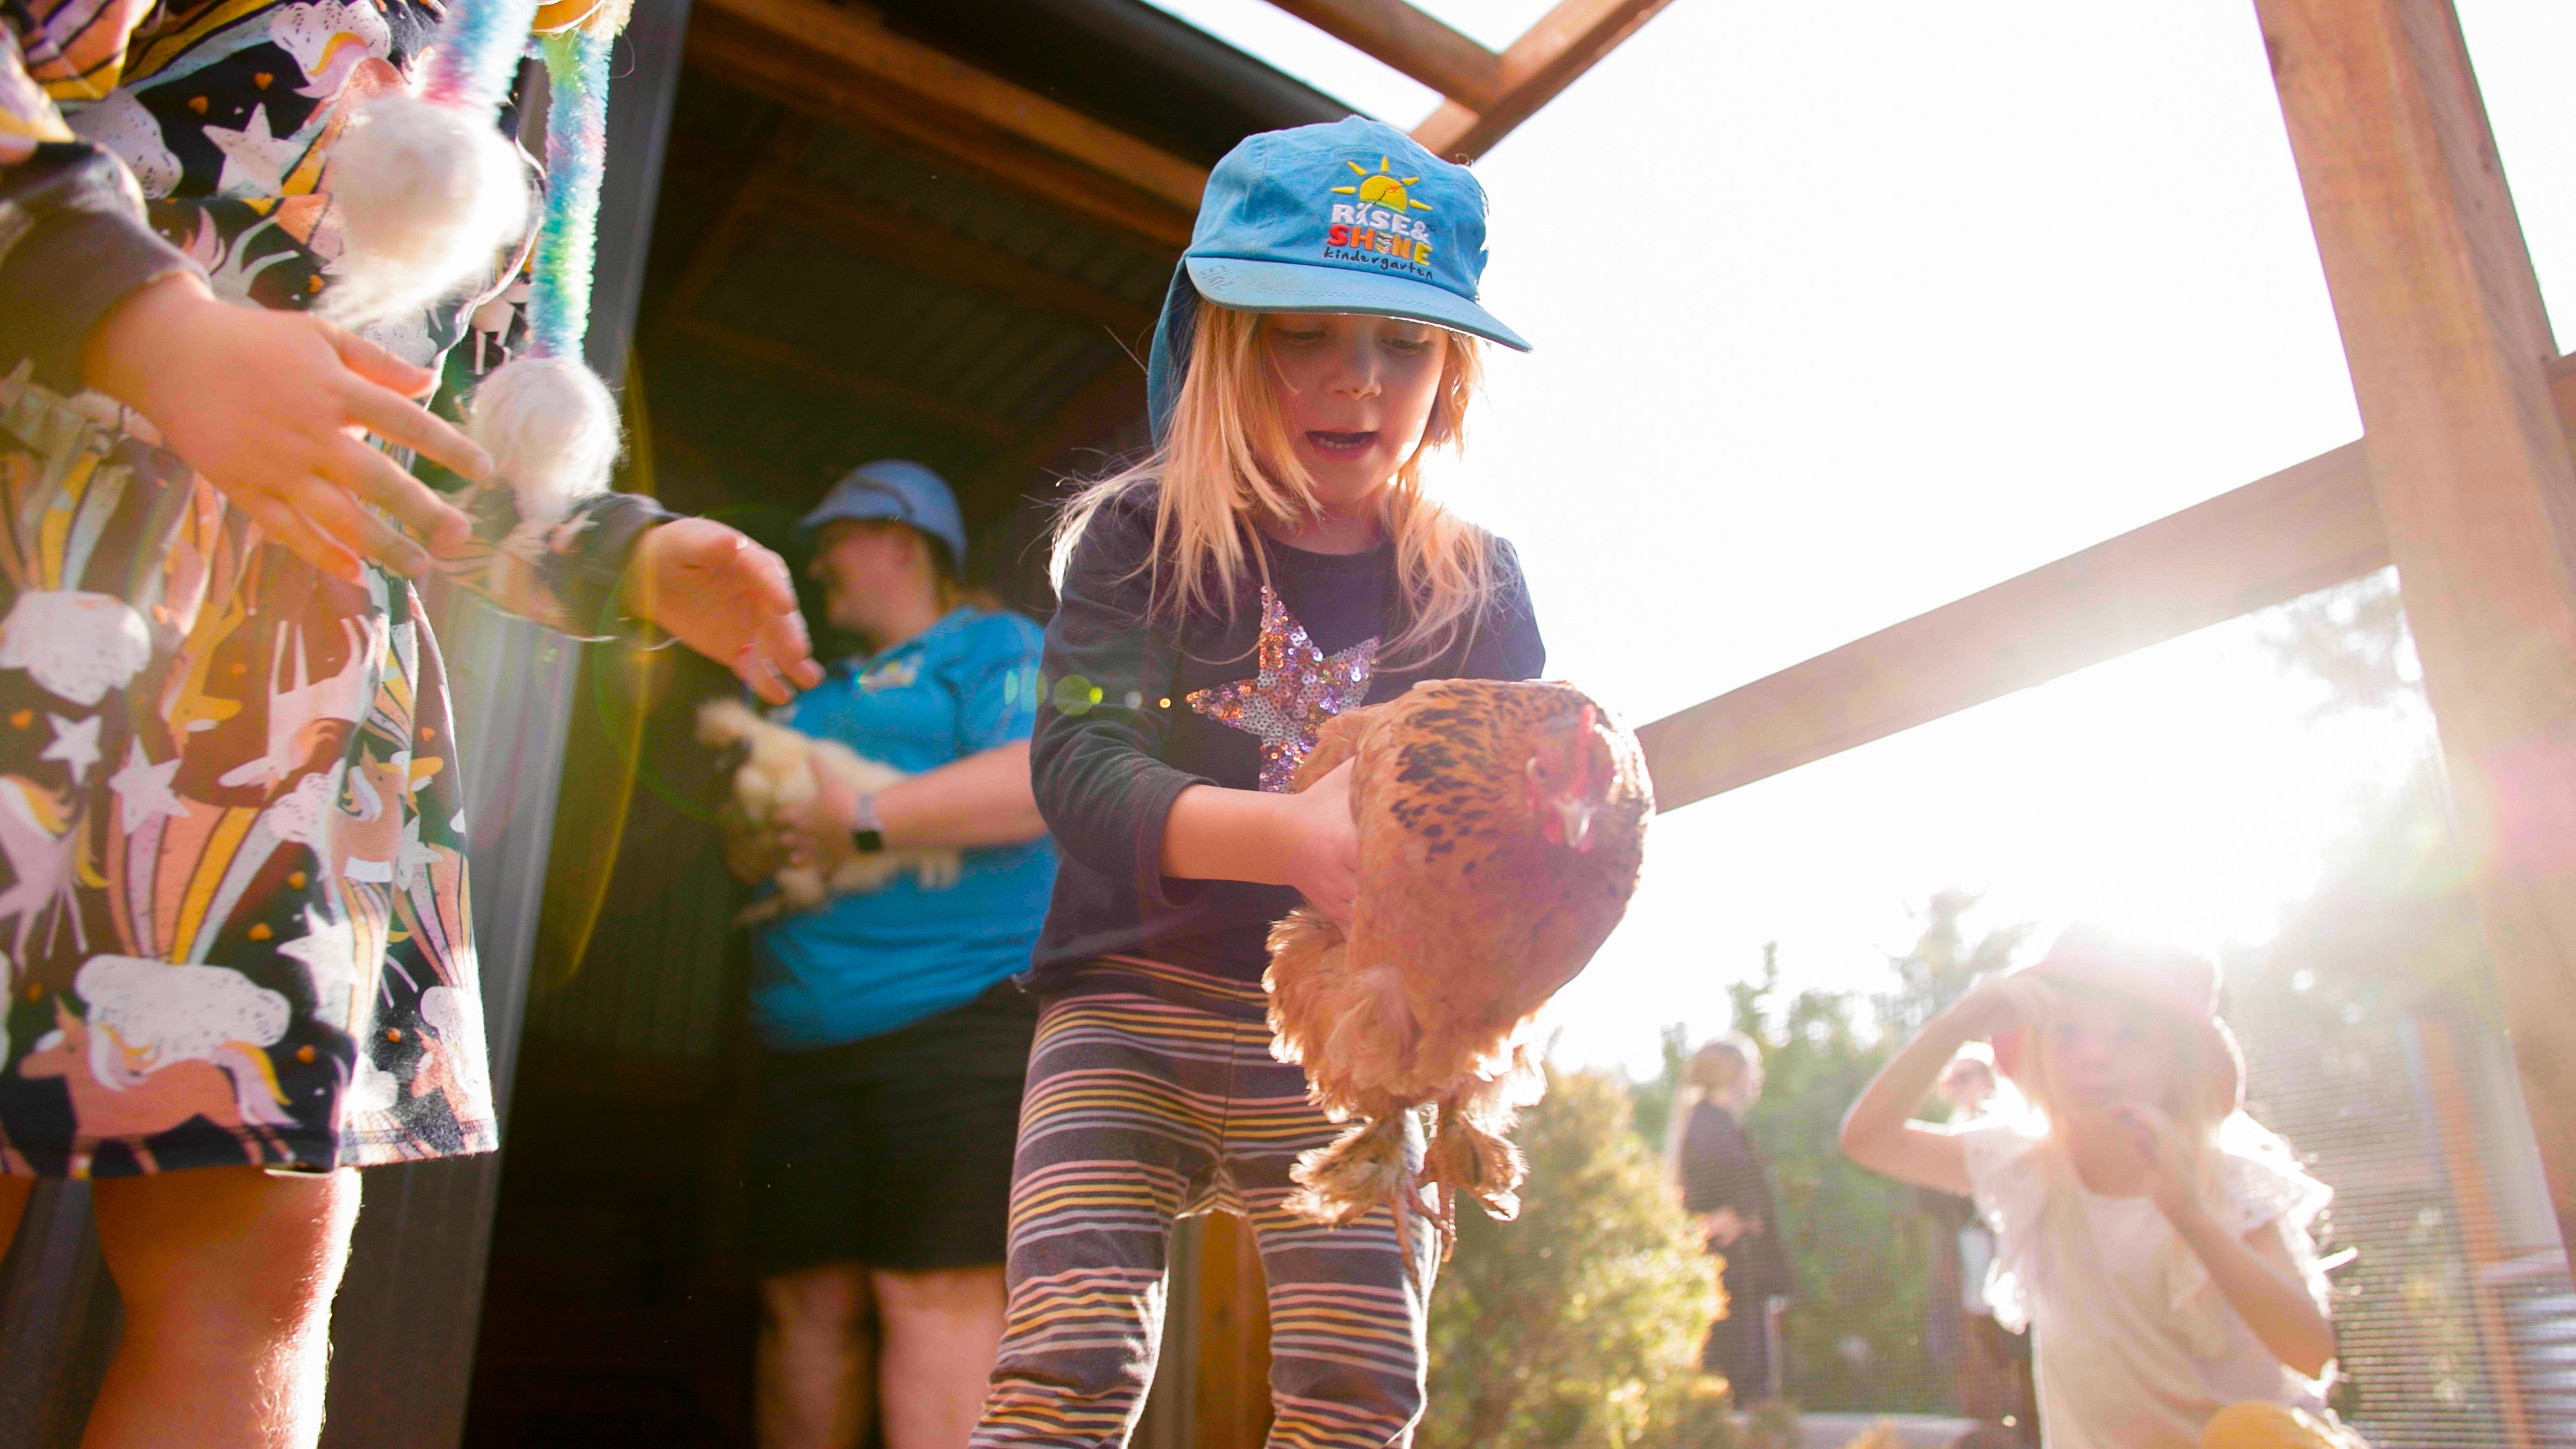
{"points": [[1501, 830]]}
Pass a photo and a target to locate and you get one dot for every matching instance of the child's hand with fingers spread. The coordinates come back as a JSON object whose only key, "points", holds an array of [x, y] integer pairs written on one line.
{"points": [[726, 597], [274, 408]]}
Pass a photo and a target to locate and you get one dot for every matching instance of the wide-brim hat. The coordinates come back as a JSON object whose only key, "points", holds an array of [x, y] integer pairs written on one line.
{"points": [[1354, 216], [2182, 986]]}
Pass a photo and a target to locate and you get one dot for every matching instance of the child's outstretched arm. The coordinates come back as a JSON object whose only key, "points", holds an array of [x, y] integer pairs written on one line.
{"points": [[2255, 1271], [1879, 1132]]}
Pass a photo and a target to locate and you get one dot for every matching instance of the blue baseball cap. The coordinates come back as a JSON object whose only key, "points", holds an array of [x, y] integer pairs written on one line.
{"points": [[1349, 217], [898, 489]]}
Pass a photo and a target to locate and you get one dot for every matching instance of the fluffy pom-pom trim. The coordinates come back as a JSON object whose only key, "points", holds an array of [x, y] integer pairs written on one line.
{"points": [[427, 196], [551, 428]]}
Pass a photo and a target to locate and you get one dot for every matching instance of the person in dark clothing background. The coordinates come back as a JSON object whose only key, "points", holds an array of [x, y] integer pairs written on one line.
{"points": [[1726, 1188]]}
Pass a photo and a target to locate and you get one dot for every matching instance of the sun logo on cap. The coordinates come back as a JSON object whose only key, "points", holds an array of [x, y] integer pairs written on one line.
{"points": [[1382, 188]]}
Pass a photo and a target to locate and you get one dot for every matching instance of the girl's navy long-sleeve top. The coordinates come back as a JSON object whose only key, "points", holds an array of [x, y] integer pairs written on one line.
{"points": [[1133, 710]]}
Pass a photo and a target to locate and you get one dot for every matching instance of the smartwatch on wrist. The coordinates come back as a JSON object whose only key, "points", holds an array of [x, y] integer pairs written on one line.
{"points": [[867, 833]]}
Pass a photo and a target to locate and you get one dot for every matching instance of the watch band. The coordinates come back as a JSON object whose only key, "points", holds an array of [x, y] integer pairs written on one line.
{"points": [[867, 833]]}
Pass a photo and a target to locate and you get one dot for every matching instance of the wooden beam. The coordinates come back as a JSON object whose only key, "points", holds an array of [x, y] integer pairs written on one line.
{"points": [[1565, 43], [942, 82], [1409, 41], [2270, 541], [751, 59], [2448, 344], [958, 260]]}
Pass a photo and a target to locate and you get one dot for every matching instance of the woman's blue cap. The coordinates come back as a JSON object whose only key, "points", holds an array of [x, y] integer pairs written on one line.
{"points": [[1349, 217], [898, 489]]}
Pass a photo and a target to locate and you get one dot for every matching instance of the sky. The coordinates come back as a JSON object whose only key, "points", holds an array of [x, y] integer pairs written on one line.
{"points": [[1843, 312]]}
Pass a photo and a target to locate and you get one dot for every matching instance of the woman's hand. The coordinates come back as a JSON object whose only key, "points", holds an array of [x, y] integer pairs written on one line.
{"points": [[726, 597], [273, 408], [2173, 1169], [1319, 844]]}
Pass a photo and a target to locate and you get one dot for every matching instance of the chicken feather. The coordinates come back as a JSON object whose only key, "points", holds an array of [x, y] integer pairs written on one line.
{"points": [[777, 767], [1501, 831]]}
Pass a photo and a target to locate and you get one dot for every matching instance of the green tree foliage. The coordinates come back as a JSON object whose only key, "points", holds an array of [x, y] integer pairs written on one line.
{"points": [[1860, 1247], [2353, 640], [1861, 1251], [1943, 964], [1580, 1323], [1654, 1099]]}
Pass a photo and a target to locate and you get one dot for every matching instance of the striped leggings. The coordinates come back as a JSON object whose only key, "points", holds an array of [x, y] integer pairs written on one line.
{"points": [[1152, 1093]]}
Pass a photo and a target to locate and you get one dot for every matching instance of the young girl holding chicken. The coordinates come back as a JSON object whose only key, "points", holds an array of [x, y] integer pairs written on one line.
{"points": [[1276, 562], [2154, 1237]]}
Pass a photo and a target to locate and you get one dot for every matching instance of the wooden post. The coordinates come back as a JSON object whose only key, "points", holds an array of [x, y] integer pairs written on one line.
{"points": [[2449, 350], [1232, 1396]]}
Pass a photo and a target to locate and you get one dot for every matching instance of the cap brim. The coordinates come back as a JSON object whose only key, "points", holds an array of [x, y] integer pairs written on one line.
{"points": [[1264, 286], [861, 510]]}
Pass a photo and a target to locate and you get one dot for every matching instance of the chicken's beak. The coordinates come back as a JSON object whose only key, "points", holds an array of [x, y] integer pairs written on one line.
{"points": [[1574, 820]]}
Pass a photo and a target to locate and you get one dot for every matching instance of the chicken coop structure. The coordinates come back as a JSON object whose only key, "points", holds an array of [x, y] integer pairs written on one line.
{"points": [[940, 229]]}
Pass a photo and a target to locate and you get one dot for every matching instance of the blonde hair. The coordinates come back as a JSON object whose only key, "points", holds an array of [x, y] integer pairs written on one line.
{"points": [[1226, 465], [1725, 1064], [1725, 1067]]}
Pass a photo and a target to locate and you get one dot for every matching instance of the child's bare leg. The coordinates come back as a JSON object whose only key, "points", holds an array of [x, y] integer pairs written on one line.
{"points": [[227, 1275]]}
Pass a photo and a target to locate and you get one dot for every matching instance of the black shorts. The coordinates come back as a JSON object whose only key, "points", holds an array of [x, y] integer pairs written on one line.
{"points": [[895, 1151]]}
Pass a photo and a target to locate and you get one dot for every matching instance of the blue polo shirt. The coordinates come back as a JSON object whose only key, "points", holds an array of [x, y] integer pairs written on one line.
{"points": [[866, 964]]}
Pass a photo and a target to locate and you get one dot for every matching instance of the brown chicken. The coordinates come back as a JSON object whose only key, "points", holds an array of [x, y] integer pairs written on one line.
{"points": [[1501, 828]]}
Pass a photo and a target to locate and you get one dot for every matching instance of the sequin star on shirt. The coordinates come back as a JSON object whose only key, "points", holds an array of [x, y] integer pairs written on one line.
{"points": [[1298, 687]]}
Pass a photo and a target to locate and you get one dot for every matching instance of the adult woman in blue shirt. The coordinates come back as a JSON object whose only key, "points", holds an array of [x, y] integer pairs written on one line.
{"points": [[895, 1043]]}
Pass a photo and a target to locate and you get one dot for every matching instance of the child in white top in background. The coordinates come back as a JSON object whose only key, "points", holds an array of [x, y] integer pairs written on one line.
{"points": [[2154, 1236]]}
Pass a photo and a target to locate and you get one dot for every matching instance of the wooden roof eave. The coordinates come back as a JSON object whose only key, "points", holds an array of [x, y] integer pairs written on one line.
{"points": [[1487, 95], [840, 68]]}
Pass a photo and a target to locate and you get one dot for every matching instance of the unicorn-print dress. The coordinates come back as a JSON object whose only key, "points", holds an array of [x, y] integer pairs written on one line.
{"points": [[233, 900]]}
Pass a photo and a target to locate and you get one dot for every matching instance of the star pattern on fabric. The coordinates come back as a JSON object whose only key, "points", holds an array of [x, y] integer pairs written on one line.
{"points": [[75, 744], [329, 950], [1297, 687], [255, 160], [143, 788]]}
